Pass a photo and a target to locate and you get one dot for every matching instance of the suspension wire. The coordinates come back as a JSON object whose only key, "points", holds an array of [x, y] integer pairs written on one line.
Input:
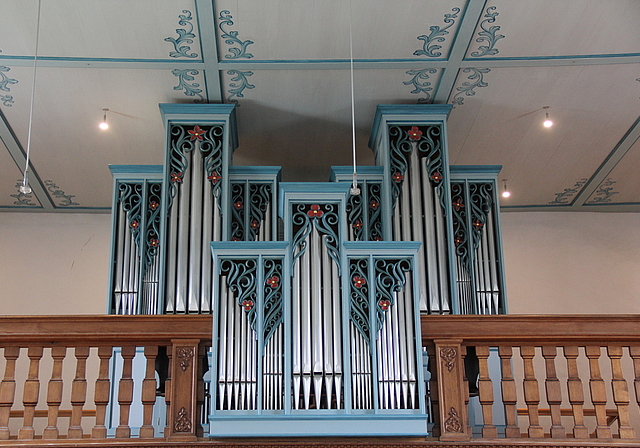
{"points": [[354, 186], [25, 178]]}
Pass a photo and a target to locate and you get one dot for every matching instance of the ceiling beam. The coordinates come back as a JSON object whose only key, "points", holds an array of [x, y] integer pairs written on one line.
{"points": [[19, 156], [614, 157], [209, 46], [461, 42]]}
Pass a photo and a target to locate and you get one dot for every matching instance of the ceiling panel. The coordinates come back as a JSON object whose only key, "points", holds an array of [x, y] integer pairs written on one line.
{"points": [[98, 29], [555, 28], [501, 123], [295, 30]]}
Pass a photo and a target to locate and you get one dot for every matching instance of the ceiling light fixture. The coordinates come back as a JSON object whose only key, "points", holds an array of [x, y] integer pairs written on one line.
{"points": [[505, 192], [547, 121], [354, 191], [104, 125], [25, 188]]}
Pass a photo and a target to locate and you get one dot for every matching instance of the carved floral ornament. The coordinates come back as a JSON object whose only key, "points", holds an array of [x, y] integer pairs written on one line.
{"points": [[182, 423], [185, 355], [448, 355], [452, 424]]}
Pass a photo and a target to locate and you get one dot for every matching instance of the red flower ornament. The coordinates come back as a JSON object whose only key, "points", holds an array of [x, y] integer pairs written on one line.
{"points": [[153, 205], [357, 225], [238, 205], [414, 133], [397, 177], [153, 242], [359, 282], [134, 224], [247, 305], [478, 224], [384, 304], [176, 177], [373, 205], [273, 282], [457, 204], [458, 240], [315, 211], [436, 177], [196, 133], [255, 224], [215, 177]]}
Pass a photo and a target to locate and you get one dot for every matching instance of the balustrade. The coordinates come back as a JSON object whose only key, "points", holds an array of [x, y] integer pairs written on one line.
{"points": [[95, 379]]}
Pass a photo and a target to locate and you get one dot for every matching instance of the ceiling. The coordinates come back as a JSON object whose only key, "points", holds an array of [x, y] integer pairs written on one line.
{"points": [[285, 63]]}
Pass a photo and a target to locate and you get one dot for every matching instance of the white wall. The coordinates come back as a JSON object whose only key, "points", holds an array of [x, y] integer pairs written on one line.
{"points": [[54, 263], [563, 262], [555, 262]]}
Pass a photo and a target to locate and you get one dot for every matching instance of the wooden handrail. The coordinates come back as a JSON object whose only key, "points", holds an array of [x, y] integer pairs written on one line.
{"points": [[574, 328]]}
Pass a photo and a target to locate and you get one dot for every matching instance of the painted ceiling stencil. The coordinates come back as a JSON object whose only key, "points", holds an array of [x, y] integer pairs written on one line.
{"points": [[603, 193], [430, 42], [475, 80], [187, 82], [488, 34], [237, 47], [568, 193], [5, 82], [55, 191], [22, 199], [238, 84], [186, 36], [421, 84]]}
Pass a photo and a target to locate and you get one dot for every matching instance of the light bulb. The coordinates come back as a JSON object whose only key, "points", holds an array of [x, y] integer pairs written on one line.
{"points": [[506, 194], [25, 188], [547, 122], [104, 125]]}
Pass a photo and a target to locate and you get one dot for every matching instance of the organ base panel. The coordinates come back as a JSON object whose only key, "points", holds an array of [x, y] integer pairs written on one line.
{"points": [[315, 293]]}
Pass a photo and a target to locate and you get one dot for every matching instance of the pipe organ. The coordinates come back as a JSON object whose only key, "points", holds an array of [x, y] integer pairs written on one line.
{"points": [[315, 293]]}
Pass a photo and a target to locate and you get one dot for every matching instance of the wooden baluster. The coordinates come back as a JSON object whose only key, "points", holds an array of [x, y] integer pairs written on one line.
{"points": [[8, 389], [465, 388], [485, 388], [102, 392], [449, 367], [31, 393], [576, 392], [509, 393], [620, 393], [149, 392], [54, 393], [183, 412], [598, 393], [433, 388], [167, 391], [531, 392], [635, 355], [125, 392], [78, 393], [554, 393]]}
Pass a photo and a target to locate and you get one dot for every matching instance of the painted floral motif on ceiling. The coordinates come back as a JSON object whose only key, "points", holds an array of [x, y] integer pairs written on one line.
{"points": [[185, 36], [564, 196]]}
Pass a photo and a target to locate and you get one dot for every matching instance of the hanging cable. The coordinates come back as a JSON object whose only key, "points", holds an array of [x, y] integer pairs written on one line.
{"points": [[25, 188], [354, 185]]}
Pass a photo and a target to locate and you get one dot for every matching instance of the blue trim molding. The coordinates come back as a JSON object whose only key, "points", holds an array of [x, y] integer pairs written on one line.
{"points": [[430, 42], [231, 38], [185, 36]]}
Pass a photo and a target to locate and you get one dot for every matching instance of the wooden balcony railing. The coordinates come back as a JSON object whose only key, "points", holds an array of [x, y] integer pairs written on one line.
{"points": [[141, 380]]}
